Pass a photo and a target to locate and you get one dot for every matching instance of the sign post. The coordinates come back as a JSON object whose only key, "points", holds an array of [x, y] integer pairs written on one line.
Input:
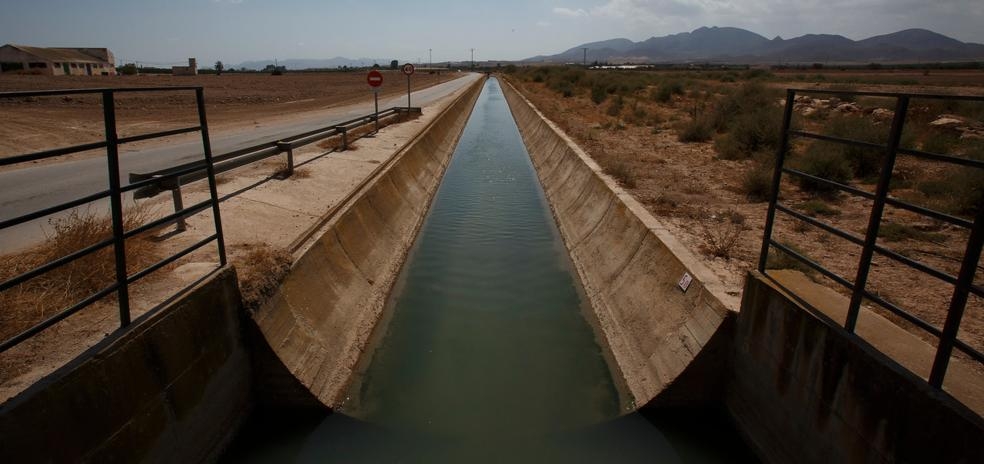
{"points": [[375, 80], [408, 70]]}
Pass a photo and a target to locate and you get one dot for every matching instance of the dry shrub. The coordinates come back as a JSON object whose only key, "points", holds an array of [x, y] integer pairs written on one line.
{"points": [[697, 129], [41, 297], [722, 233], [622, 171], [261, 269]]}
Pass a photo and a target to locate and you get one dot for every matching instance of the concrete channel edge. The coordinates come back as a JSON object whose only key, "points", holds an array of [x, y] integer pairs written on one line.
{"points": [[320, 320], [630, 265]]}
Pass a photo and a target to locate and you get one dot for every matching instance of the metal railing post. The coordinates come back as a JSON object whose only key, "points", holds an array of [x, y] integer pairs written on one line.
{"points": [[770, 217], [958, 303], [210, 169], [116, 205], [874, 221]]}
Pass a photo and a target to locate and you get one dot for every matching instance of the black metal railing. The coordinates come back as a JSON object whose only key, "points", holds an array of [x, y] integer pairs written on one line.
{"points": [[963, 282], [115, 193]]}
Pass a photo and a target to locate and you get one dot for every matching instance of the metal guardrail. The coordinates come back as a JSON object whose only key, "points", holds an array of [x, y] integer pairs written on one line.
{"points": [[115, 192], [963, 282], [174, 177]]}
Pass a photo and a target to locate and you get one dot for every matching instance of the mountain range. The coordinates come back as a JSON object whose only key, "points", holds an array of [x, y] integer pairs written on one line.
{"points": [[735, 45]]}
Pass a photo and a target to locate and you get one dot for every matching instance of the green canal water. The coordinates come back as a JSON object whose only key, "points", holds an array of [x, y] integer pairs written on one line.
{"points": [[485, 352]]}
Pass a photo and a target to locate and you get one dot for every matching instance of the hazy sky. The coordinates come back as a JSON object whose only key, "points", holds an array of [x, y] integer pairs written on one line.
{"points": [[169, 31]]}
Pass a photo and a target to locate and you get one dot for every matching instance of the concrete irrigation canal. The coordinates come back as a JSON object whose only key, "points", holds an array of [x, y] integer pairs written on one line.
{"points": [[485, 353], [488, 294]]}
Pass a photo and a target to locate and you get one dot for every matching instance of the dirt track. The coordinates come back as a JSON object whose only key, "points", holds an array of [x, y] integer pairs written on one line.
{"points": [[231, 100]]}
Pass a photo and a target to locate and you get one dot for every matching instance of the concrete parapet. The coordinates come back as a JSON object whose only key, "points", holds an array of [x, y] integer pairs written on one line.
{"points": [[630, 265], [172, 388], [320, 319], [804, 390]]}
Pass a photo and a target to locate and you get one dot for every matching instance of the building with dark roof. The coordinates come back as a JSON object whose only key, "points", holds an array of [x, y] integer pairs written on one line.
{"points": [[57, 61]]}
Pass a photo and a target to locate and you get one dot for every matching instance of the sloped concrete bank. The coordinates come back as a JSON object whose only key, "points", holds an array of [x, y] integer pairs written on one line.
{"points": [[660, 335], [320, 319]]}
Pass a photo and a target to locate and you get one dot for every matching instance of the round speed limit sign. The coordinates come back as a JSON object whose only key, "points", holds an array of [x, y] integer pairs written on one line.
{"points": [[408, 69]]}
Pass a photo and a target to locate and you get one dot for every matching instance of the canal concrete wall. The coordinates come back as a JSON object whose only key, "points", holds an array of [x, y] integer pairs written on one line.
{"points": [[320, 319], [630, 266], [802, 389], [172, 388]]}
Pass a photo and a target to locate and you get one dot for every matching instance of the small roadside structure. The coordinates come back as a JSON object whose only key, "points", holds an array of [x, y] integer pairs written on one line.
{"points": [[24, 59], [190, 70]]}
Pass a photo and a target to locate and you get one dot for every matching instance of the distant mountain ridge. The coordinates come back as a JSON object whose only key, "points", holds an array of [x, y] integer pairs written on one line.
{"points": [[329, 63], [732, 44]]}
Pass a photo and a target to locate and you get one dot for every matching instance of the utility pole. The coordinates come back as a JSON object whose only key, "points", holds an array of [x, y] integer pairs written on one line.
{"points": [[473, 58], [585, 55], [430, 57]]}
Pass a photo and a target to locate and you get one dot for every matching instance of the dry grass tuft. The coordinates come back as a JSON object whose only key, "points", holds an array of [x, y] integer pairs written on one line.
{"points": [[722, 233], [41, 297], [261, 268]]}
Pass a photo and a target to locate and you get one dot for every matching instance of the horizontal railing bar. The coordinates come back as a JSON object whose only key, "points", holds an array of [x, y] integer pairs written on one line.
{"points": [[51, 265], [816, 266], [157, 135], [903, 314], [51, 153], [830, 183], [34, 330], [157, 179], [242, 151], [53, 209], [169, 218], [828, 138], [944, 158], [890, 94], [55, 93], [823, 225], [916, 264], [170, 259], [969, 350], [957, 221]]}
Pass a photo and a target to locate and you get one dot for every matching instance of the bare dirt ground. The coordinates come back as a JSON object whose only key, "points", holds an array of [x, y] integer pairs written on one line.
{"points": [[231, 101], [635, 134]]}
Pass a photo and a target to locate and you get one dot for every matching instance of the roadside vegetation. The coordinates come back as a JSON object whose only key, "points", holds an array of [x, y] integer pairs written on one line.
{"points": [[698, 149]]}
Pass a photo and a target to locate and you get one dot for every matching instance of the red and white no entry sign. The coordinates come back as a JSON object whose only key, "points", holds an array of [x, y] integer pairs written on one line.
{"points": [[408, 69], [375, 78]]}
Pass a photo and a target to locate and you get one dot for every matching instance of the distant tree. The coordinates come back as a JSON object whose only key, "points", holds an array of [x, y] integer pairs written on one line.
{"points": [[127, 69], [218, 68], [376, 66], [394, 64]]}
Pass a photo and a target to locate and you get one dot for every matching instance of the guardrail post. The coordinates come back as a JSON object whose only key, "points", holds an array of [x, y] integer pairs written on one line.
{"points": [[958, 303], [344, 132], [180, 224], [286, 147], [874, 222], [770, 217], [116, 205]]}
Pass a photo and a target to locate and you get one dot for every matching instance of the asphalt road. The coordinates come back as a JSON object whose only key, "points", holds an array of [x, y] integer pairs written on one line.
{"points": [[26, 190]]}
